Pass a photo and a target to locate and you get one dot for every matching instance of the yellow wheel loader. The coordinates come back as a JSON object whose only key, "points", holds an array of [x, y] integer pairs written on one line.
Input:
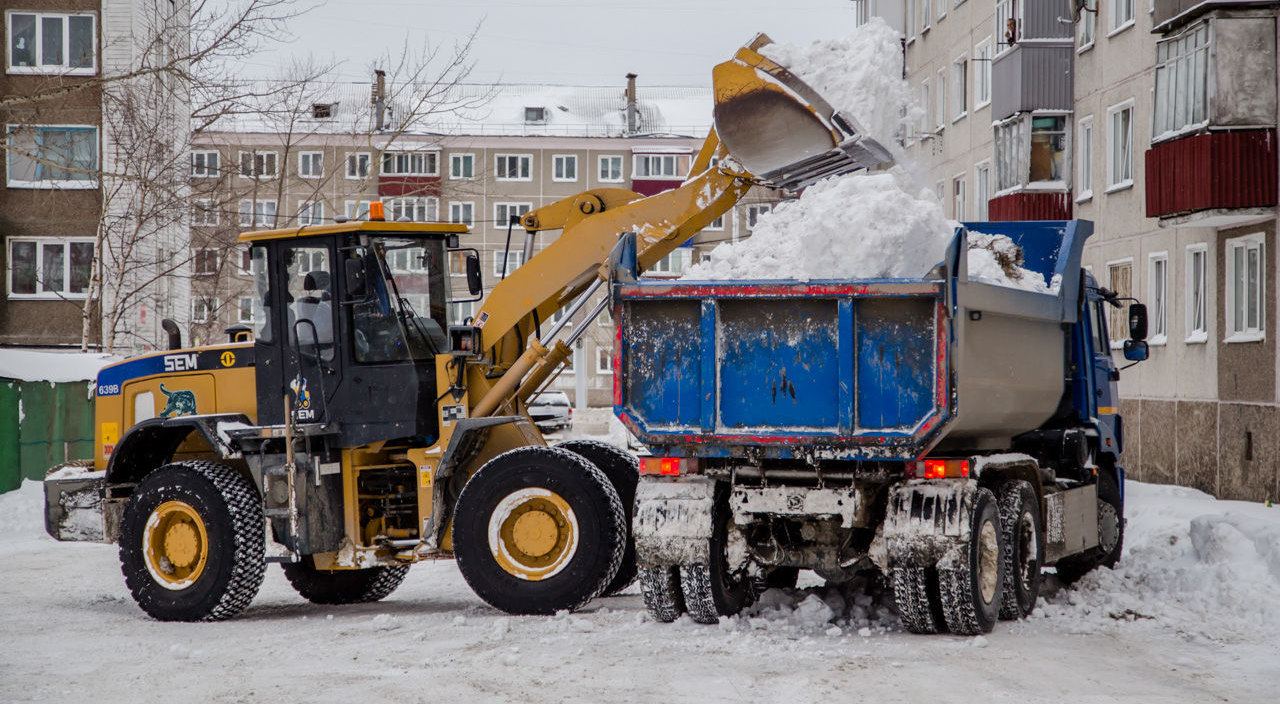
{"points": [[352, 432]]}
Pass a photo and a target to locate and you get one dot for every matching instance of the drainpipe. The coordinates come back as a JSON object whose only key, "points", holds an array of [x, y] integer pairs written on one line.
{"points": [[631, 104], [378, 99]]}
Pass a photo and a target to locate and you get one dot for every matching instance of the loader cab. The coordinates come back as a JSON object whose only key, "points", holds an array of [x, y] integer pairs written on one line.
{"points": [[349, 319]]}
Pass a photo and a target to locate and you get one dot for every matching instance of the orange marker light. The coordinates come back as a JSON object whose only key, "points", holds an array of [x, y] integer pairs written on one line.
{"points": [[377, 211]]}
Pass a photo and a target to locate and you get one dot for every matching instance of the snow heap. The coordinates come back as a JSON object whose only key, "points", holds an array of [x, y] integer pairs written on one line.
{"points": [[997, 260], [35, 365]]}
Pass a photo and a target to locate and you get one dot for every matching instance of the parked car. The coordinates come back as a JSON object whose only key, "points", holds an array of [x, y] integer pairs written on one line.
{"points": [[551, 410]]}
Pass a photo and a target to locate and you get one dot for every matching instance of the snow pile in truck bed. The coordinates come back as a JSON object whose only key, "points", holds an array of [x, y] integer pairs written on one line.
{"points": [[995, 259]]}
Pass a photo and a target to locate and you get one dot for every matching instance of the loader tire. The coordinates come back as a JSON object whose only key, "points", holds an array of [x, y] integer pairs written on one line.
{"points": [[539, 530], [971, 587], [915, 593], [714, 590], [623, 470], [343, 586], [660, 587], [1110, 534], [1023, 549], [191, 542]]}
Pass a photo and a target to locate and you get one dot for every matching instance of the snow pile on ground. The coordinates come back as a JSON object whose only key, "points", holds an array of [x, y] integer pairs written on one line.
{"points": [[1207, 568], [22, 512], [861, 606], [995, 259], [37, 365]]}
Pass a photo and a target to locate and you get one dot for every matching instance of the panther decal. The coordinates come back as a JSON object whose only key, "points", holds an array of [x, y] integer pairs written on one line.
{"points": [[181, 403]]}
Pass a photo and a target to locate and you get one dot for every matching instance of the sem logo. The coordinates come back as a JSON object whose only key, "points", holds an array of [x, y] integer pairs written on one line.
{"points": [[228, 358], [303, 411], [180, 362]]}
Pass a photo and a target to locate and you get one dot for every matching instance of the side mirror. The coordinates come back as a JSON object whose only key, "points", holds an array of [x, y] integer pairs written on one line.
{"points": [[451, 242], [1136, 350], [353, 272], [1137, 323], [474, 284]]}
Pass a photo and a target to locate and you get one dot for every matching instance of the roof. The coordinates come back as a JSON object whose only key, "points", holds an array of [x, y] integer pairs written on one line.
{"points": [[337, 228], [479, 110]]}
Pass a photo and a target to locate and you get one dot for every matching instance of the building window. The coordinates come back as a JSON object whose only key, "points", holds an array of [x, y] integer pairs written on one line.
{"points": [[1158, 296], [407, 260], [926, 15], [1084, 160], [311, 164], [413, 209], [610, 169], [462, 166], [514, 259], [674, 264], [258, 164], [532, 114], [942, 9], [204, 213], [322, 111], [754, 212], [1031, 156], [206, 261], [1086, 27], [959, 88], [981, 190], [717, 224], [358, 165], [204, 164], [926, 107], [259, 213], [461, 312], [504, 212], [1182, 82], [203, 309], [411, 164], [982, 74], [604, 360], [1197, 293], [564, 167], [1120, 280], [463, 213], [1246, 281], [1008, 24], [911, 20], [49, 268], [1120, 146], [47, 156], [656, 166], [457, 263], [513, 167], [55, 43], [245, 311], [940, 109], [356, 209], [310, 213], [1121, 15], [960, 199]]}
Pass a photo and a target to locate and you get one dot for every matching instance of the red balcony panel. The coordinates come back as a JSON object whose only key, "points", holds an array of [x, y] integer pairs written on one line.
{"points": [[649, 187], [409, 186], [1212, 170], [1030, 205]]}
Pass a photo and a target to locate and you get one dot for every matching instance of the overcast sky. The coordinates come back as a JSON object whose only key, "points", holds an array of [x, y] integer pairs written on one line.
{"points": [[582, 42]]}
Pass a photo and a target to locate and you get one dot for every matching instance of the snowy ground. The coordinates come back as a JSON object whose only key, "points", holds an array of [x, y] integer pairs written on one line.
{"points": [[1190, 616]]}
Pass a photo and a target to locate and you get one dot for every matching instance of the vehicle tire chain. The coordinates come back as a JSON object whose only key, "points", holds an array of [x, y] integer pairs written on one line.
{"points": [[626, 573], [695, 582], [387, 581], [663, 597], [911, 596], [956, 587], [1010, 509]]}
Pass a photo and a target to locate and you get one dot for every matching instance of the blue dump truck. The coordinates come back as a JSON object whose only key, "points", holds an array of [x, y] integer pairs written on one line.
{"points": [[954, 436]]}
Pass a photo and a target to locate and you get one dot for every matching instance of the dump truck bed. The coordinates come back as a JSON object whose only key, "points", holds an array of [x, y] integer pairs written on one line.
{"points": [[850, 370]]}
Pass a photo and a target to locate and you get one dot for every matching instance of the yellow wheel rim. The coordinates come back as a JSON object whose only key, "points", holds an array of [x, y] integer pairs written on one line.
{"points": [[533, 534], [175, 545]]}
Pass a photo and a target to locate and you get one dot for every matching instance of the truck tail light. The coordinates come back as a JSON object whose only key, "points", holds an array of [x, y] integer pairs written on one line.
{"points": [[938, 469], [668, 466]]}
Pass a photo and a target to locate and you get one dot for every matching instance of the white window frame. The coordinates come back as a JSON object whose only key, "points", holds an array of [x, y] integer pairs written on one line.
{"points": [[1246, 243], [266, 155], [1004, 11], [1200, 304], [204, 309], [204, 169], [307, 163], [426, 206], [1118, 335], [1118, 21], [926, 16], [960, 87], [40, 243], [1084, 159], [982, 74], [911, 20], [514, 257], [310, 212], [959, 197], [662, 160], [1112, 183], [926, 103], [1087, 29], [61, 69], [940, 96], [403, 162], [89, 183], [257, 212], [982, 190], [204, 213], [240, 308], [717, 224], [462, 166], [1158, 297], [559, 162], [354, 167], [604, 360], [459, 311], [501, 222], [610, 159], [523, 163], [751, 216], [456, 208], [1175, 94]]}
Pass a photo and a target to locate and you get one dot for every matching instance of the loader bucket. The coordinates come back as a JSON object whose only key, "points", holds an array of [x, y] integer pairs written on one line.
{"points": [[780, 129]]}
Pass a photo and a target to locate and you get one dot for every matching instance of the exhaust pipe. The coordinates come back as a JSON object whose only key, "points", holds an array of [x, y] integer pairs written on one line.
{"points": [[175, 334]]}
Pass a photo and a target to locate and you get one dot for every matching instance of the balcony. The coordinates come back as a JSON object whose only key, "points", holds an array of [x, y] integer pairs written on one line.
{"points": [[1030, 205], [1036, 74], [1213, 179]]}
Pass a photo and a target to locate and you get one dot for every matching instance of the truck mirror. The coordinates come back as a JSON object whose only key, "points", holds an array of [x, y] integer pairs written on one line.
{"points": [[1136, 350], [474, 284], [354, 274], [1138, 322]]}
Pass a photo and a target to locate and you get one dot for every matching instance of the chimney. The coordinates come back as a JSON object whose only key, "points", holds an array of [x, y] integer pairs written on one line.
{"points": [[378, 99], [632, 114]]}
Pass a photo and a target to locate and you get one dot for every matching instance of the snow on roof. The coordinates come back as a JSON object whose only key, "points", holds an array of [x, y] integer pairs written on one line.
{"points": [[42, 365], [480, 110]]}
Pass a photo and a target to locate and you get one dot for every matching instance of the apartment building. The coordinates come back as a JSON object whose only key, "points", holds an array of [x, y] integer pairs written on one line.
{"points": [[521, 148], [71, 205]]}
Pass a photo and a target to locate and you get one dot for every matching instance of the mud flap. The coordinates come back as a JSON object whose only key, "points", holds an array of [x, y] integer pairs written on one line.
{"points": [[927, 522], [672, 523], [73, 508]]}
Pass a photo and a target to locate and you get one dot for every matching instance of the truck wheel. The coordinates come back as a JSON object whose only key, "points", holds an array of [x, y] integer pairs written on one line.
{"points": [[715, 590], [191, 542], [343, 586], [1110, 534], [623, 470], [538, 530], [1023, 549], [660, 587], [915, 593], [971, 586]]}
